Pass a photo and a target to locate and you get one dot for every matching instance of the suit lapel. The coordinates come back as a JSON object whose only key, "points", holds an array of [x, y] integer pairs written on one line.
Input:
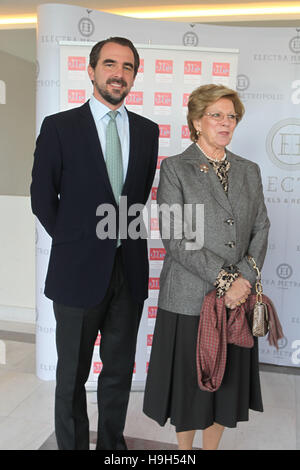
{"points": [[89, 130], [208, 180], [133, 152], [236, 177]]}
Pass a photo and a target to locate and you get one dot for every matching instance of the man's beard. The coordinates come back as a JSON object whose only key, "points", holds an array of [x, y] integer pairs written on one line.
{"points": [[109, 97]]}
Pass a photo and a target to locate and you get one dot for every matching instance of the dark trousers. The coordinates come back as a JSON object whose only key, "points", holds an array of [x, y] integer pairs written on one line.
{"points": [[117, 317]]}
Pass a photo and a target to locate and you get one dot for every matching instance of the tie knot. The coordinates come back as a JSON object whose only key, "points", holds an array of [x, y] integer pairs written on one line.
{"points": [[113, 114]]}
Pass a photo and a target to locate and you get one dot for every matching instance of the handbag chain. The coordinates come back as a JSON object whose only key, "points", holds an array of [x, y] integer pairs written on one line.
{"points": [[258, 284]]}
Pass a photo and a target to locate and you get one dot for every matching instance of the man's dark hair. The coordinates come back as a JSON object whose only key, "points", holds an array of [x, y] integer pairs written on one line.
{"points": [[95, 52]]}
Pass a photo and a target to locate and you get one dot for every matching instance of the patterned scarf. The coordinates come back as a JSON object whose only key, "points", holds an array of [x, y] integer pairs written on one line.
{"points": [[221, 170]]}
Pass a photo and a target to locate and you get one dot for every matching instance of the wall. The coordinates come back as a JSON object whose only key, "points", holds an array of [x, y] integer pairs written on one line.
{"points": [[17, 139]]}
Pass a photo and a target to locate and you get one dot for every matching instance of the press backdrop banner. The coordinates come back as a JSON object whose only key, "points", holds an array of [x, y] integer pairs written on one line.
{"points": [[268, 80]]}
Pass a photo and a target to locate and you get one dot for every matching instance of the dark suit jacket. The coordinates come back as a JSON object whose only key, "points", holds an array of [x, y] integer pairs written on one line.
{"points": [[69, 182]]}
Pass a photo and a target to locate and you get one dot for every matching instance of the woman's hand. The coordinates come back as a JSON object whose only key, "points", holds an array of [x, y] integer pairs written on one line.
{"points": [[237, 292]]}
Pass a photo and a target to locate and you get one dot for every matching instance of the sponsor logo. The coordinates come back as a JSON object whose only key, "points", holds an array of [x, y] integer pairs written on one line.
{"points": [[86, 27], [152, 312], [190, 39], [97, 367], [98, 340], [141, 67], [76, 63], [294, 43], [242, 82], [164, 131], [153, 194], [221, 69], [185, 133], [149, 340], [157, 254], [185, 99], [135, 98], [76, 96], [192, 67], [284, 271], [153, 283], [283, 144], [164, 66], [162, 99], [154, 225]]}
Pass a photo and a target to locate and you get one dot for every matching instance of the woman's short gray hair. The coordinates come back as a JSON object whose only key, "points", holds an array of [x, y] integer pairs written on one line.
{"points": [[206, 95]]}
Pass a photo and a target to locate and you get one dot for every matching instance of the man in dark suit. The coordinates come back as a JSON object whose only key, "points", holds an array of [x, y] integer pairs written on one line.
{"points": [[86, 158]]}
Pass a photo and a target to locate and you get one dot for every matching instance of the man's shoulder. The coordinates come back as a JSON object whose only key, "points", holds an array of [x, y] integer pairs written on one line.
{"points": [[68, 115], [142, 120]]}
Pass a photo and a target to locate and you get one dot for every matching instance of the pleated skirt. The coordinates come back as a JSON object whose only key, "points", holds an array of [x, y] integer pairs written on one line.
{"points": [[172, 389]]}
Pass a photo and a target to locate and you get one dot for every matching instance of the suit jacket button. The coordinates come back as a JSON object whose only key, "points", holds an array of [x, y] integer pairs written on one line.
{"points": [[230, 244], [229, 221]]}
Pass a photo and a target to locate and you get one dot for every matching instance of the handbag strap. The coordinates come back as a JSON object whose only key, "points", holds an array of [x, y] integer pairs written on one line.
{"points": [[258, 284]]}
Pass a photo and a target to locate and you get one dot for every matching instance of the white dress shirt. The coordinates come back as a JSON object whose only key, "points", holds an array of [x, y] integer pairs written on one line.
{"points": [[101, 118]]}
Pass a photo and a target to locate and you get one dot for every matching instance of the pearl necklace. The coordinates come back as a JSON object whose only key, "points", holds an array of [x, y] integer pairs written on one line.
{"points": [[210, 158]]}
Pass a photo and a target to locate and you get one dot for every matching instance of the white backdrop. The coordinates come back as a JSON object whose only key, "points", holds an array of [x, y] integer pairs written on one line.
{"points": [[269, 84]]}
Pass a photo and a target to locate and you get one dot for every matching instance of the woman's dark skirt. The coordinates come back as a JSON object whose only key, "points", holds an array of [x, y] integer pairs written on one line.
{"points": [[172, 388]]}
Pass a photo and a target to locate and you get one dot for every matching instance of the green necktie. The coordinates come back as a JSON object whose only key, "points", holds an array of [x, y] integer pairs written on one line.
{"points": [[114, 162]]}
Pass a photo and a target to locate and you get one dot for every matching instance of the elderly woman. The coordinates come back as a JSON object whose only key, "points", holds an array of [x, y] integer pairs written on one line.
{"points": [[235, 224]]}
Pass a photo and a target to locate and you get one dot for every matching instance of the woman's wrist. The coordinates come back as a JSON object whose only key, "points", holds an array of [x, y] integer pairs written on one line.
{"points": [[224, 281]]}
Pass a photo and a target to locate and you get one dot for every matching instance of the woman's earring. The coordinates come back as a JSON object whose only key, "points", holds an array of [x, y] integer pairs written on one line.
{"points": [[197, 134]]}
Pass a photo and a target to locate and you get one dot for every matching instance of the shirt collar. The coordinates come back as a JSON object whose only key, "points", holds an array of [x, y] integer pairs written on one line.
{"points": [[99, 110]]}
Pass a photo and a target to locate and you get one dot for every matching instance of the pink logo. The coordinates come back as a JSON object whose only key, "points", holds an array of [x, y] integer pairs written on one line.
{"points": [[153, 194], [157, 254], [221, 69], [164, 66], [185, 133], [98, 339], [185, 99], [154, 283], [152, 312], [154, 224], [149, 340], [164, 131], [76, 96], [141, 67], [162, 99], [192, 67], [135, 98], [97, 367], [76, 63]]}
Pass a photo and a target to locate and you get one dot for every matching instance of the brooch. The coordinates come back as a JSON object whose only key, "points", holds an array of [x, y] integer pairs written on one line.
{"points": [[204, 168]]}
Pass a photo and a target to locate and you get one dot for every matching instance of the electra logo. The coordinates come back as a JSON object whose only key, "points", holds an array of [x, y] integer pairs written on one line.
{"points": [[283, 144], [284, 271], [86, 27], [242, 82], [294, 43], [190, 39], [2, 92]]}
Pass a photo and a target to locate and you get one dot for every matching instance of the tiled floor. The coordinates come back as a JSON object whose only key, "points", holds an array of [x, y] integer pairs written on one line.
{"points": [[26, 408]]}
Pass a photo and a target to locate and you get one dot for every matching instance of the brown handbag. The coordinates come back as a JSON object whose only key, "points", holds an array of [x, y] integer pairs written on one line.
{"points": [[260, 315]]}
